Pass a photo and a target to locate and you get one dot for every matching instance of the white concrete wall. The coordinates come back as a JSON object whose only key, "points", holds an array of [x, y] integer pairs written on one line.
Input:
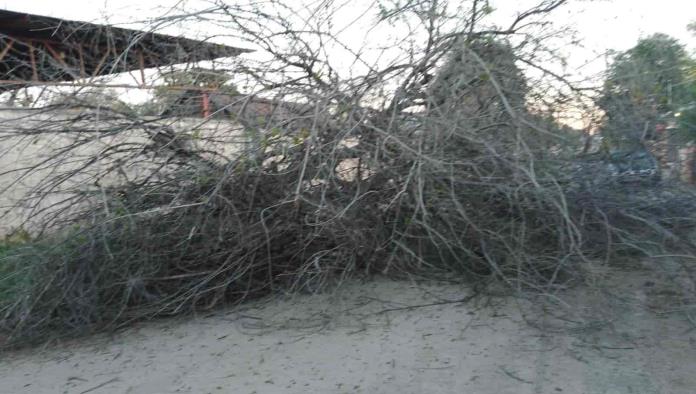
{"points": [[33, 147]]}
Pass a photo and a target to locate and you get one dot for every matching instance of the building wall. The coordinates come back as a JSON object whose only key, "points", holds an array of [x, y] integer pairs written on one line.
{"points": [[676, 158], [34, 149]]}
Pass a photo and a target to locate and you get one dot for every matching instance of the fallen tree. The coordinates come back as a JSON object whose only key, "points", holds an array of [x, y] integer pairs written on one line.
{"points": [[436, 163]]}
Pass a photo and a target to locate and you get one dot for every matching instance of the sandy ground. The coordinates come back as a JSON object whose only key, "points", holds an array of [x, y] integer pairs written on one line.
{"points": [[385, 337]]}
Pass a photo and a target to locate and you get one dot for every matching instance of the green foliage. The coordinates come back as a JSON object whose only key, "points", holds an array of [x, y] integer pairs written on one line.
{"points": [[181, 88], [15, 273], [645, 85], [92, 98], [197, 77], [687, 112]]}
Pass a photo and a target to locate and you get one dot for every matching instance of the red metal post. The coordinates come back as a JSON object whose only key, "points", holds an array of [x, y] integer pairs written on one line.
{"points": [[206, 104]]}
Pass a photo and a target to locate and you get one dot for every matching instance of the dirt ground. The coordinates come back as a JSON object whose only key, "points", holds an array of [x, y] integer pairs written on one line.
{"points": [[388, 337]]}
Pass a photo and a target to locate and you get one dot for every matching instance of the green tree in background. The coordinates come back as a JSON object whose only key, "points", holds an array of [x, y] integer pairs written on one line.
{"points": [[180, 90], [650, 84]]}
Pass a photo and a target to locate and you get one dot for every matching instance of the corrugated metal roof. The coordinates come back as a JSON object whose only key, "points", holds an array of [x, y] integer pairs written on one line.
{"points": [[39, 48]]}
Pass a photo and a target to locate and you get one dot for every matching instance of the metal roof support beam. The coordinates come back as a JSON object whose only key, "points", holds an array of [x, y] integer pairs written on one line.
{"points": [[10, 44], [59, 59], [32, 58], [100, 64]]}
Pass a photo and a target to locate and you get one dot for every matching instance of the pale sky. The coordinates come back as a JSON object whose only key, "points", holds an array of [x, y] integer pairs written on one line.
{"points": [[602, 24]]}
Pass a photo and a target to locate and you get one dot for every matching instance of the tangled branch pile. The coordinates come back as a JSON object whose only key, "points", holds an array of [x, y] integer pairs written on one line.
{"points": [[453, 174]]}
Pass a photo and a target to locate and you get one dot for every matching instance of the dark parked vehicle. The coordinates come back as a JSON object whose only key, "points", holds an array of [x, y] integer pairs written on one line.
{"points": [[636, 166]]}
